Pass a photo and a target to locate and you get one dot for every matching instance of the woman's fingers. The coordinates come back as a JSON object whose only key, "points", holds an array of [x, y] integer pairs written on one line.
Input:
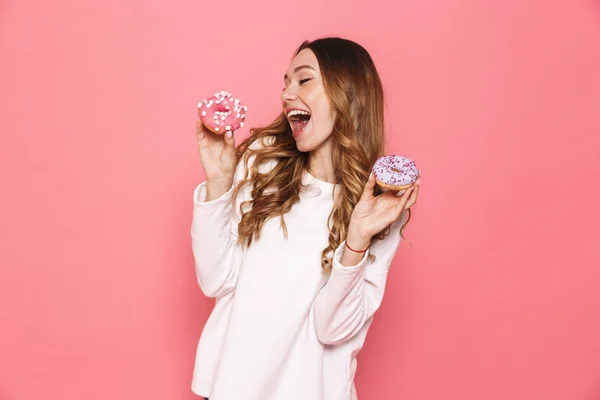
{"points": [[402, 201], [368, 190], [229, 149], [200, 134], [412, 200]]}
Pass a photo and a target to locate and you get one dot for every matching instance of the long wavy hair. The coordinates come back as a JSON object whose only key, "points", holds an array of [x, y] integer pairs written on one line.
{"points": [[354, 88]]}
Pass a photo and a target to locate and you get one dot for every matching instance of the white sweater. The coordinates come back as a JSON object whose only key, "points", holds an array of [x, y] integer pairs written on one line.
{"points": [[281, 328]]}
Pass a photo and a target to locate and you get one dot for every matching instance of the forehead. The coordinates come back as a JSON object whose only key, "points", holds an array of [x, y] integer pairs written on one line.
{"points": [[305, 57]]}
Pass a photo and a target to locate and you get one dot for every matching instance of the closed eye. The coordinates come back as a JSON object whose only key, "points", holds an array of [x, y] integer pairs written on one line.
{"points": [[301, 82]]}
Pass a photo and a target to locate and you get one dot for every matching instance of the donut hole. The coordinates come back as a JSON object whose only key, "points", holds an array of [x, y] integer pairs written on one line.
{"points": [[222, 108]]}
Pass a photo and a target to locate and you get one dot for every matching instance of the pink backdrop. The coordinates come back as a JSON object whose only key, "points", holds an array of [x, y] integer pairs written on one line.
{"points": [[498, 296]]}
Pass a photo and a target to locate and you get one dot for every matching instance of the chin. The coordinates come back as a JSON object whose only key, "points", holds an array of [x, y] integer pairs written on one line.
{"points": [[302, 147], [310, 140]]}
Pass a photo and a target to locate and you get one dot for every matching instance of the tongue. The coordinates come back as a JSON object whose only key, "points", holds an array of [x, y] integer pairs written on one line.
{"points": [[298, 125]]}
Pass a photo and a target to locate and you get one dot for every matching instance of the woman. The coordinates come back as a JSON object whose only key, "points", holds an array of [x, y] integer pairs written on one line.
{"points": [[292, 241]]}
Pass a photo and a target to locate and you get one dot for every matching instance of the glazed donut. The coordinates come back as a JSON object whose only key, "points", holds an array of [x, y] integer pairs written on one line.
{"points": [[395, 173], [222, 112]]}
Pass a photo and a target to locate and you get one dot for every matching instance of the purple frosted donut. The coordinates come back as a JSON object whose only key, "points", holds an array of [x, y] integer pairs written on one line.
{"points": [[395, 172]]}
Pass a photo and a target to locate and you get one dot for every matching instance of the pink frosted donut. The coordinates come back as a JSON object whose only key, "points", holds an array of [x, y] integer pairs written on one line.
{"points": [[395, 172], [222, 112]]}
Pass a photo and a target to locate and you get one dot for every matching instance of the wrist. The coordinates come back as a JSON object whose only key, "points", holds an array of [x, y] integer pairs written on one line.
{"points": [[217, 188], [355, 249], [357, 242]]}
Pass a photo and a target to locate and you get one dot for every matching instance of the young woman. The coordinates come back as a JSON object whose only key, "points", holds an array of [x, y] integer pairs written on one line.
{"points": [[292, 237]]}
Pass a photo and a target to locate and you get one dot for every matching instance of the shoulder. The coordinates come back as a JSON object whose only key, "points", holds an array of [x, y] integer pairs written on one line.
{"points": [[247, 160], [243, 177], [255, 150], [262, 142]]}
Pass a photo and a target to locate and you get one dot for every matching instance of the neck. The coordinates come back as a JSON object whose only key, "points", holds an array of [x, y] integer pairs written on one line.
{"points": [[320, 163]]}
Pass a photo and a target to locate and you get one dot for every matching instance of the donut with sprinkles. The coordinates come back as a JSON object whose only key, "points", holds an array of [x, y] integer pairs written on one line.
{"points": [[222, 112], [396, 173]]}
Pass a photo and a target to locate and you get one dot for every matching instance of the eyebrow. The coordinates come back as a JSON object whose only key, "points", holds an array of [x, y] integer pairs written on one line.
{"points": [[298, 68]]}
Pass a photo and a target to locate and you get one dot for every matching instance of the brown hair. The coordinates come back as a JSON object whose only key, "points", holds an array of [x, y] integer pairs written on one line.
{"points": [[354, 88]]}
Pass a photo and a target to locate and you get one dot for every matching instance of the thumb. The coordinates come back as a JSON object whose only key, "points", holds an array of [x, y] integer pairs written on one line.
{"points": [[369, 186]]}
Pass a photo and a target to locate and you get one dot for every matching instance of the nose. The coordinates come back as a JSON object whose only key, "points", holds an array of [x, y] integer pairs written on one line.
{"points": [[289, 94]]}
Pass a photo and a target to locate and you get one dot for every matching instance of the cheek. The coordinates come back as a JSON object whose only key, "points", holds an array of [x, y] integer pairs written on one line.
{"points": [[326, 114], [333, 117]]}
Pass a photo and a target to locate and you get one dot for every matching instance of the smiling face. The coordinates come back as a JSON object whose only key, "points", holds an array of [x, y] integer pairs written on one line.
{"points": [[306, 104]]}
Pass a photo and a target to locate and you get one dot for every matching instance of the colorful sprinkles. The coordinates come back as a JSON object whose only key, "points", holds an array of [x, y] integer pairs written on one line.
{"points": [[395, 171]]}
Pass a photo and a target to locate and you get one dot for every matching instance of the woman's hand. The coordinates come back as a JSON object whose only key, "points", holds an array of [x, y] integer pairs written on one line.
{"points": [[373, 214], [217, 155]]}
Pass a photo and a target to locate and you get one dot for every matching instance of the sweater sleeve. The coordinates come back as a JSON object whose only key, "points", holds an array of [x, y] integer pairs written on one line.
{"points": [[217, 253], [352, 294]]}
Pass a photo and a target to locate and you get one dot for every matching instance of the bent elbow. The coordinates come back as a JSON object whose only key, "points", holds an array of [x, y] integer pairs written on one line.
{"points": [[331, 332]]}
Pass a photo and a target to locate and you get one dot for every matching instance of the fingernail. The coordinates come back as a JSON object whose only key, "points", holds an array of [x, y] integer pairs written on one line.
{"points": [[229, 134]]}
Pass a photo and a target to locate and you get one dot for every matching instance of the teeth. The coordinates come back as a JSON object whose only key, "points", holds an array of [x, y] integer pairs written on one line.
{"points": [[297, 112]]}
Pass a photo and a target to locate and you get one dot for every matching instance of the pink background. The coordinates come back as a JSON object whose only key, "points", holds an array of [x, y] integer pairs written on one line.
{"points": [[498, 296]]}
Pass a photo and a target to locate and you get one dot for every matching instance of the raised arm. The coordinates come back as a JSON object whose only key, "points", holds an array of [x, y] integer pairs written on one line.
{"points": [[353, 293], [355, 287], [217, 253]]}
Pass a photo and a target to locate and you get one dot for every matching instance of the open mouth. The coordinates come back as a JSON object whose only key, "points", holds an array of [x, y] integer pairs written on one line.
{"points": [[298, 120]]}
